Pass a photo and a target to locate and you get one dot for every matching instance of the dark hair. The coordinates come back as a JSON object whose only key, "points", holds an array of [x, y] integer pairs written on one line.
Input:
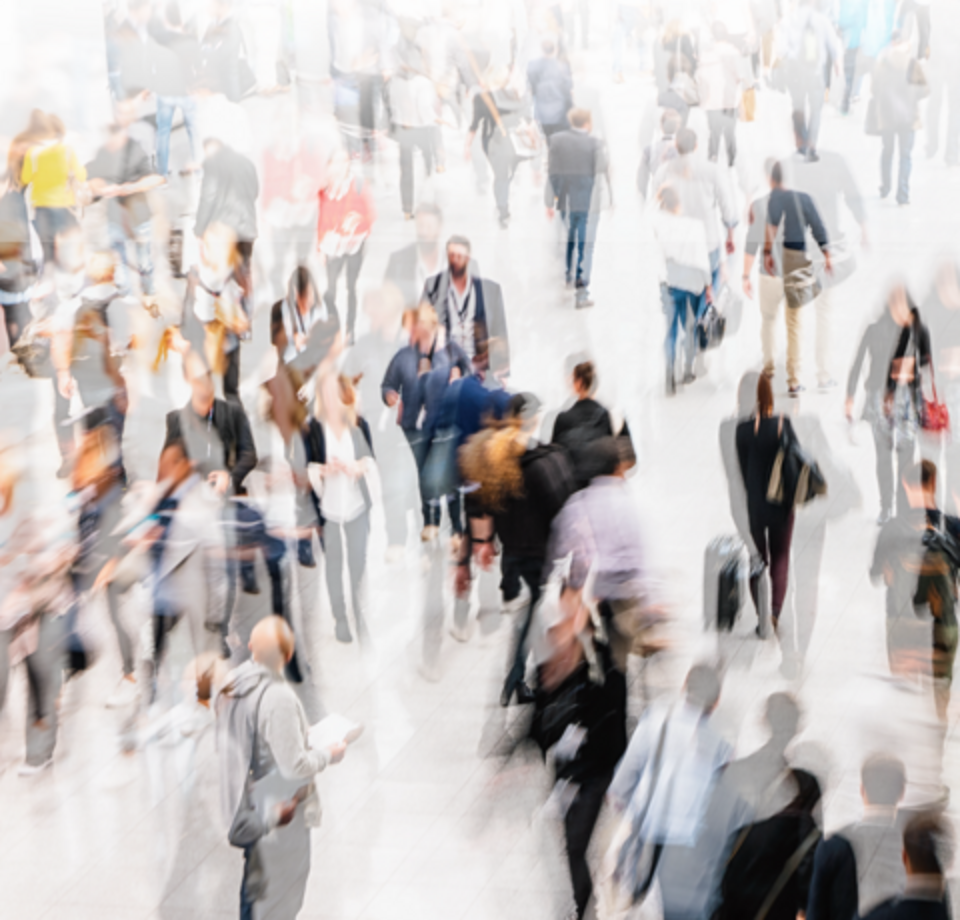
{"points": [[686, 140], [302, 282], [176, 444], [927, 844], [458, 240], [928, 474], [585, 375], [808, 792], [883, 779], [604, 456], [764, 396], [776, 174], [431, 209]]}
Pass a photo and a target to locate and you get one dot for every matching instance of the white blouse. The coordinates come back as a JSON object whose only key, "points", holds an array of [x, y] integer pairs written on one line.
{"points": [[342, 499]]}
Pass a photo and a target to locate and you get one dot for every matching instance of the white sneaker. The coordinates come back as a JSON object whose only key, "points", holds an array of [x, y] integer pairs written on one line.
{"points": [[126, 693], [32, 769], [462, 633]]}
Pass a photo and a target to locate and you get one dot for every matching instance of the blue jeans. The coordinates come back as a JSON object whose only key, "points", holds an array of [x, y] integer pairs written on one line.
{"points": [[166, 106], [681, 301], [49, 222], [905, 140], [143, 239], [576, 238]]}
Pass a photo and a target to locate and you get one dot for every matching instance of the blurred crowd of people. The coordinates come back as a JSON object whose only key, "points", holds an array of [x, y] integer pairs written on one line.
{"points": [[232, 428]]}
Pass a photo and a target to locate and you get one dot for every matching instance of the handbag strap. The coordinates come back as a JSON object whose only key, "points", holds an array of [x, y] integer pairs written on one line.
{"points": [[791, 866]]}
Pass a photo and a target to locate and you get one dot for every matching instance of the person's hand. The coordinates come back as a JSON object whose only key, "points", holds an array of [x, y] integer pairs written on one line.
{"points": [[848, 408], [828, 262], [220, 480], [455, 373], [286, 812], [299, 340], [483, 553], [105, 575], [888, 404], [731, 246], [392, 398], [550, 213], [709, 293], [562, 664], [466, 149], [66, 384], [461, 579], [241, 323], [336, 751], [769, 266], [747, 286]]}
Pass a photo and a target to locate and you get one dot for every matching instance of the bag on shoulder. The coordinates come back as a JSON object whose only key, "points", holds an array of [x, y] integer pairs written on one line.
{"points": [[795, 478]]}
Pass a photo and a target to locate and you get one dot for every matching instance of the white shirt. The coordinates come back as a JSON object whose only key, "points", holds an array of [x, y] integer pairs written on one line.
{"points": [[462, 311], [342, 498]]}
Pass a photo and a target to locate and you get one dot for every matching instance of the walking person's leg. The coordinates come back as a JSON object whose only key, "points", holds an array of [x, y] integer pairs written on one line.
{"points": [[143, 242], [730, 134], [886, 162], [780, 537], [333, 544], [165, 109], [794, 337], [815, 93], [824, 315], [578, 825], [758, 532], [771, 296], [335, 265], [44, 680], [405, 138], [905, 140], [715, 124], [568, 223], [357, 534], [354, 264], [883, 442], [579, 219]]}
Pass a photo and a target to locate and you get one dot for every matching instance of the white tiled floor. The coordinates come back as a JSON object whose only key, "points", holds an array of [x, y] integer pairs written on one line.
{"points": [[417, 823]]}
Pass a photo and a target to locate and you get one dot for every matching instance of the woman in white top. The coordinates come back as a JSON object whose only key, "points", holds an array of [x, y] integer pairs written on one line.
{"points": [[340, 445]]}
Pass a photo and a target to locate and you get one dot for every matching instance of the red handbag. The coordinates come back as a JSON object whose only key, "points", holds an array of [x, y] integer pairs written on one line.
{"points": [[936, 416]]}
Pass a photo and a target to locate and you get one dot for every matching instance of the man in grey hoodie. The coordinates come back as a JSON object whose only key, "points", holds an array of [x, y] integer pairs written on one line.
{"points": [[267, 772]]}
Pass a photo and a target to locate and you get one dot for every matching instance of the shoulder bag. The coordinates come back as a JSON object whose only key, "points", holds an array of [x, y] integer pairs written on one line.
{"points": [[934, 415], [795, 478]]}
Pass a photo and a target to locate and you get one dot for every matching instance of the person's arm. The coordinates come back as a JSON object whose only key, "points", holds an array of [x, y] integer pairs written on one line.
{"points": [[282, 732], [743, 451], [833, 883], [391, 389], [208, 196], [632, 765], [480, 112], [246, 448], [278, 332], [853, 378], [755, 239], [813, 220]]}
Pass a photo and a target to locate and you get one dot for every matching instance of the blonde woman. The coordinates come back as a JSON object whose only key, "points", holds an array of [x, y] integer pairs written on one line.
{"points": [[55, 176], [340, 451]]}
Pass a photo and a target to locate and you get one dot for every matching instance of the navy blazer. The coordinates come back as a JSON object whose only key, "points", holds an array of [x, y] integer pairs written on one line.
{"points": [[490, 321]]}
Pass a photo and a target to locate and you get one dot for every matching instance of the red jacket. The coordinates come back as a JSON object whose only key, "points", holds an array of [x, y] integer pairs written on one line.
{"points": [[347, 220]]}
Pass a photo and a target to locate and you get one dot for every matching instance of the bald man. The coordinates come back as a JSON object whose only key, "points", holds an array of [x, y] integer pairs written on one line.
{"points": [[265, 745]]}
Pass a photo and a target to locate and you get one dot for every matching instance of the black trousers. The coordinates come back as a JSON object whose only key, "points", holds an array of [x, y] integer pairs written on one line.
{"points": [[578, 825], [353, 264]]}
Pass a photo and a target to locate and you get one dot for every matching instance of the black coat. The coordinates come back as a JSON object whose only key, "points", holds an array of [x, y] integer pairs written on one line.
{"points": [[228, 194], [490, 318], [315, 443], [233, 428]]}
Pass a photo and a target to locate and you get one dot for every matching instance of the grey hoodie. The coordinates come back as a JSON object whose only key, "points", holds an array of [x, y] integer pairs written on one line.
{"points": [[282, 745]]}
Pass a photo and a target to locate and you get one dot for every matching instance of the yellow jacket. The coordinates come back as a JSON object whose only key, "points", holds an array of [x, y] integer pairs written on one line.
{"points": [[48, 169]]}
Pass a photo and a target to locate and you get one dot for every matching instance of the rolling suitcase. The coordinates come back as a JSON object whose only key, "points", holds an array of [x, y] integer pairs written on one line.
{"points": [[724, 582]]}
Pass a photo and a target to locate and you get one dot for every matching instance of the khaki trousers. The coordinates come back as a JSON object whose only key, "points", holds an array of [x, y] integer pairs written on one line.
{"points": [[771, 297]]}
